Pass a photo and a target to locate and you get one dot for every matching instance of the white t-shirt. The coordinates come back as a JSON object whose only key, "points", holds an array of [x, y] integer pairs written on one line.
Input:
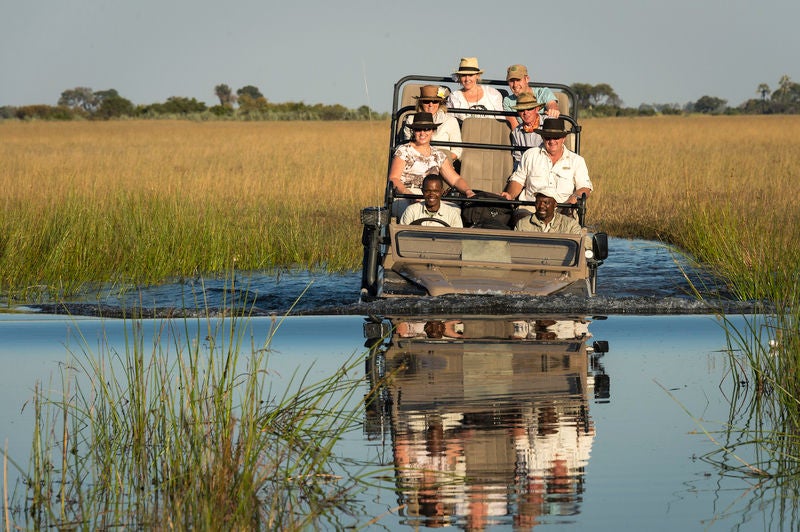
{"points": [[492, 100]]}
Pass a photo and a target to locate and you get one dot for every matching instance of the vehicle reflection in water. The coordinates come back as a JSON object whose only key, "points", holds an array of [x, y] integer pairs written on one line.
{"points": [[488, 417]]}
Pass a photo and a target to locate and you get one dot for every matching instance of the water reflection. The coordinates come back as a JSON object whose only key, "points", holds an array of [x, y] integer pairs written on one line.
{"points": [[488, 417]]}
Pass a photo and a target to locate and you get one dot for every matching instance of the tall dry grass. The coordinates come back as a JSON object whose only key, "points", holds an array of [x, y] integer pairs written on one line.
{"points": [[143, 201]]}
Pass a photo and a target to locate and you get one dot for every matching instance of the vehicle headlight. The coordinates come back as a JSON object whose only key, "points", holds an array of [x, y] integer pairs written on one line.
{"points": [[589, 254]]}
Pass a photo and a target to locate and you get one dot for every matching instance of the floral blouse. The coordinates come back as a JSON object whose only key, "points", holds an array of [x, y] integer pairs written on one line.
{"points": [[419, 166]]}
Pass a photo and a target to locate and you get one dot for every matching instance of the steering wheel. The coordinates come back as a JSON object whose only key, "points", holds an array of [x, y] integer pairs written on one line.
{"points": [[419, 221]]}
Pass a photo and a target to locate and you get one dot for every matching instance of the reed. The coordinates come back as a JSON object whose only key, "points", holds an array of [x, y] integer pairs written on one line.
{"points": [[182, 431], [145, 201]]}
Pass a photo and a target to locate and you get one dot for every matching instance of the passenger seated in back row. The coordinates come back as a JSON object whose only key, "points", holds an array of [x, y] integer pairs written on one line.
{"points": [[517, 78], [432, 206], [473, 95], [431, 100], [417, 159], [545, 219], [525, 134]]}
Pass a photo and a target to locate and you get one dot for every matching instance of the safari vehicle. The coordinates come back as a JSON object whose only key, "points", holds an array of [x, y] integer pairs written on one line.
{"points": [[409, 260]]}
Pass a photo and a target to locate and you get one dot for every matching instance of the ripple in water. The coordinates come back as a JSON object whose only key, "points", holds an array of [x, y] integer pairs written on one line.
{"points": [[639, 277]]}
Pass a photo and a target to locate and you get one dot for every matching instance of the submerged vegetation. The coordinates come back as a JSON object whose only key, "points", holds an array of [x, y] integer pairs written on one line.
{"points": [[189, 432]]}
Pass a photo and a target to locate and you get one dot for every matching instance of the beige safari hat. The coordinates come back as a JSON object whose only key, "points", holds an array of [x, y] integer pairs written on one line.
{"points": [[516, 72], [525, 101], [468, 65]]}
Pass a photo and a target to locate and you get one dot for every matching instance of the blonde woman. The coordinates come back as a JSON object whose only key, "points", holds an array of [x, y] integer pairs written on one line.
{"points": [[473, 95], [431, 100]]}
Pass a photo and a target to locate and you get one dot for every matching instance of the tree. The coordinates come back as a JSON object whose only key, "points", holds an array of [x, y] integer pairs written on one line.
{"points": [[225, 95], [79, 98], [178, 105], [709, 104], [589, 96], [583, 94], [763, 90], [251, 91], [114, 106], [603, 94]]}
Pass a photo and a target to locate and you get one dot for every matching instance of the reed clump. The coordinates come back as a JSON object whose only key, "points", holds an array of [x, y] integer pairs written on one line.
{"points": [[145, 201], [185, 433]]}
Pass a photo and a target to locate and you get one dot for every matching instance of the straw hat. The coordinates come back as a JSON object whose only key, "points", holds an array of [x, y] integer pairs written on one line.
{"points": [[468, 65], [525, 101], [430, 93]]}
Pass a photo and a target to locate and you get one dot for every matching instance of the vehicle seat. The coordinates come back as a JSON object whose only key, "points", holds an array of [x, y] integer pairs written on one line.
{"points": [[564, 109], [484, 169]]}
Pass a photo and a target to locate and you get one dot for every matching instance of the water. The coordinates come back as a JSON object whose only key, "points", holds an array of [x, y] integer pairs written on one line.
{"points": [[508, 423], [639, 277]]}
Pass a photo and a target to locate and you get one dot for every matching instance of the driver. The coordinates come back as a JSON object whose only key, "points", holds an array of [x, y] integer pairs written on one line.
{"points": [[432, 206]]}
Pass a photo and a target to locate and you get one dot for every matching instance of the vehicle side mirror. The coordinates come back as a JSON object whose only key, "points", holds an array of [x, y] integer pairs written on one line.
{"points": [[600, 246]]}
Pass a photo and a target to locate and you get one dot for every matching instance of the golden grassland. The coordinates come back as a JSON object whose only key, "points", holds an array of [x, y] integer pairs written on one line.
{"points": [[143, 201]]}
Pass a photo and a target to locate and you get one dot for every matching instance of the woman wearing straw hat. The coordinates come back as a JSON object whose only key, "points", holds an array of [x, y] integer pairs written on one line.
{"points": [[431, 100], [473, 95], [416, 159]]}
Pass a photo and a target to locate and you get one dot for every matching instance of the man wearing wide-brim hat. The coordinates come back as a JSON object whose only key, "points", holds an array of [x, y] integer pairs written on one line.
{"points": [[518, 79], [545, 218], [550, 166], [525, 135]]}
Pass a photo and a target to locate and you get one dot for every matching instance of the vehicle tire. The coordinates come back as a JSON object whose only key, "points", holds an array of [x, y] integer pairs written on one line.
{"points": [[373, 219]]}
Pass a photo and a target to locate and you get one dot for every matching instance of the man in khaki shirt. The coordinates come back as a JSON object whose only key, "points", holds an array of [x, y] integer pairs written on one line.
{"points": [[545, 219]]}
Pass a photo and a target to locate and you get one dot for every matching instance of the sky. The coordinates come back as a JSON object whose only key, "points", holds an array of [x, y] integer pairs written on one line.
{"points": [[351, 52]]}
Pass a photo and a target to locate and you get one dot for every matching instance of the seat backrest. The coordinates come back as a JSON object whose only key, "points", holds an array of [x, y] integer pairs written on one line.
{"points": [[564, 109], [484, 169]]}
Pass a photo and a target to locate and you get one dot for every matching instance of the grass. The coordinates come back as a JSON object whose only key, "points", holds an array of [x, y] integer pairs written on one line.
{"points": [[181, 431], [145, 201]]}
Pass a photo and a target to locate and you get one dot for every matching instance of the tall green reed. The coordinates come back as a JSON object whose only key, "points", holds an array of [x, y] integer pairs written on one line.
{"points": [[184, 430]]}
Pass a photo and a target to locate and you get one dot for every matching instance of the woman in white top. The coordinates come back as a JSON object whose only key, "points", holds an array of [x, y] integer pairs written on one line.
{"points": [[431, 100], [473, 95], [416, 159]]}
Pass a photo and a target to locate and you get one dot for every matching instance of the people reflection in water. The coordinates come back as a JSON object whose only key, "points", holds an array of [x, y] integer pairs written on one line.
{"points": [[541, 329], [448, 472], [431, 329], [491, 432]]}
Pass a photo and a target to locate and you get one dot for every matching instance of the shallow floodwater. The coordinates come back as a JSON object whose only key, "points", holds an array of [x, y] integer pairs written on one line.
{"points": [[503, 422], [639, 277]]}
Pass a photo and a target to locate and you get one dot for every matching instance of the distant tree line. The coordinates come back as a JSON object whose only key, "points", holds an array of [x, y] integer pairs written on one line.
{"points": [[248, 103], [601, 100]]}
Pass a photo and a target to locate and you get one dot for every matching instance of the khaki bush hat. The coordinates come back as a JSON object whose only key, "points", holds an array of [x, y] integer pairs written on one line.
{"points": [[468, 65], [525, 101], [516, 72], [430, 93]]}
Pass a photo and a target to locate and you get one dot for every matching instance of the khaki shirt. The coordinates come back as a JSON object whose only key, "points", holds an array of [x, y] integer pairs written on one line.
{"points": [[559, 224]]}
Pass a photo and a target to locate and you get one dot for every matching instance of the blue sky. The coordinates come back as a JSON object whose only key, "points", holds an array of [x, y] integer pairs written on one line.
{"points": [[351, 52]]}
